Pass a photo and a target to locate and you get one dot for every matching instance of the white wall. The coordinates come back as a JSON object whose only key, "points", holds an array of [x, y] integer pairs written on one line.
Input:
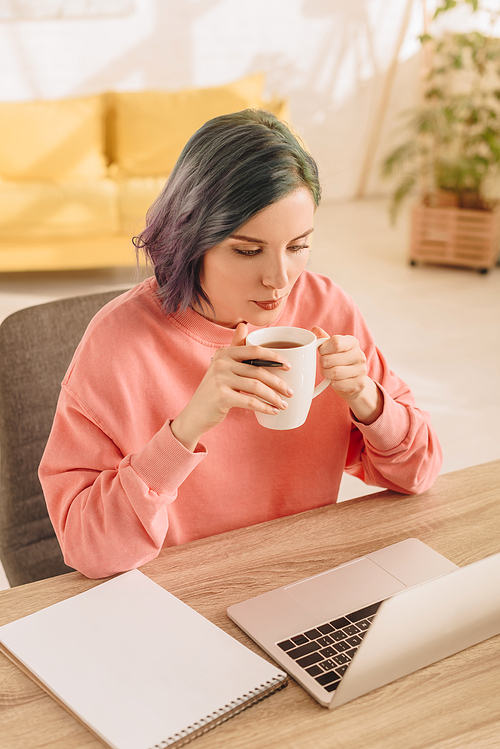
{"points": [[329, 57]]}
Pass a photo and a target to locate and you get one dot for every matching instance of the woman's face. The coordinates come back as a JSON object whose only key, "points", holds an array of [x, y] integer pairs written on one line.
{"points": [[249, 275]]}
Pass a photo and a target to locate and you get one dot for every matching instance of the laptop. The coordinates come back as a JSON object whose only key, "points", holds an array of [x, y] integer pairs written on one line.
{"points": [[366, 623]]}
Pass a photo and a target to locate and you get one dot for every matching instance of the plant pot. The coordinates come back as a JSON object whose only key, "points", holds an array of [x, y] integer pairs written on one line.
{"points": [[441, 199], [455, 236]]}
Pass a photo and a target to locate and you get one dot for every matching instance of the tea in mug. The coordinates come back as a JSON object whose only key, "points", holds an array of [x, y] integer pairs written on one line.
{"points": [[281, 344]]}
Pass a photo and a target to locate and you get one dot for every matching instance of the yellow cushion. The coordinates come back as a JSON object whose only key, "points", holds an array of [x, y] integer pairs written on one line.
{"points": [[135, 197], [37, 210], [152, 127], [68, 253], [52, 139]]}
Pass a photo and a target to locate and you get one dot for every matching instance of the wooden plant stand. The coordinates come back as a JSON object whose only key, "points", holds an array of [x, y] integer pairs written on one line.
{"points": [[455, 236]]}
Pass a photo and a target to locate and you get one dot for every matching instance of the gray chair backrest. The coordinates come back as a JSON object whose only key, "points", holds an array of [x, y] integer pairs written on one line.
{"points": [[36, 347]]}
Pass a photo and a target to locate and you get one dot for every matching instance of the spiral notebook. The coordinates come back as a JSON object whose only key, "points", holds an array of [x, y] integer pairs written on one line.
{"points": [[137, 666]]}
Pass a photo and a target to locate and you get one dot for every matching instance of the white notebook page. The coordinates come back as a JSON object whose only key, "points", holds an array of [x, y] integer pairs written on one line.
{"points": [[135, 663]]}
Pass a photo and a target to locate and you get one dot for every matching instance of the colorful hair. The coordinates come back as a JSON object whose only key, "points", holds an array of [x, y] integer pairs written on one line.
{"points": [[230, 169]]}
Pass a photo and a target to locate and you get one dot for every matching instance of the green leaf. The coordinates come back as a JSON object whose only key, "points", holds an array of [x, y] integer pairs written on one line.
{"points": [[437, 71], [434, 93], [448, 5], [398, 157], [493, 142], [472, 118], [402, 191]]}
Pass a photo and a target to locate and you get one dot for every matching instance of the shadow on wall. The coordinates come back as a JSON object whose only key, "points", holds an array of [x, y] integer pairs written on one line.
{"points": [[164, 60], [334, 100], [329, 57]]}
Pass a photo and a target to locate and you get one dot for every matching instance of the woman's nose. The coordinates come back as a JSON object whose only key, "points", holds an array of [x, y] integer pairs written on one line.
{"points": [[275, 275]]}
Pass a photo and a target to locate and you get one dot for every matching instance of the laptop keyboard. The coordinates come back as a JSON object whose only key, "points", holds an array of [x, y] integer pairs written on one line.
{"points": [[326, 651]]}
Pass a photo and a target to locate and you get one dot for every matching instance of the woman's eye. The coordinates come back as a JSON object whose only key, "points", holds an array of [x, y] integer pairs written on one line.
{"points": [[246, 253], [252, 253]]}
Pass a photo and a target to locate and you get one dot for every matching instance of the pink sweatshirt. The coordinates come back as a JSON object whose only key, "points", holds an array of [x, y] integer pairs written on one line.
{"points": [[119, 487]]}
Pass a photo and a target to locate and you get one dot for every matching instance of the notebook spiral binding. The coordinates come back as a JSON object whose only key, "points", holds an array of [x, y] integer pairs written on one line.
{"points": [[223, 714]]}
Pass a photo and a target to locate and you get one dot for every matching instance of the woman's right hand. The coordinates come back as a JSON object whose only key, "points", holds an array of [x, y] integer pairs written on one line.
{"points": [[229, 383]]}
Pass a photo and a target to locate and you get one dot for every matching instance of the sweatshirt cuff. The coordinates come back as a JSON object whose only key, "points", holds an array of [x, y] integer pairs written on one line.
{"points": [[164, 463], [390, 429]]}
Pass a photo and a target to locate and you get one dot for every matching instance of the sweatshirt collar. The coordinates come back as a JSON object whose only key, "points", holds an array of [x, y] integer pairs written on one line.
{"points": [[206, 331]]}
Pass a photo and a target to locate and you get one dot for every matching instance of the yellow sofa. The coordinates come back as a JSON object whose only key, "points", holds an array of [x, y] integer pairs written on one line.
{"points": [[78, 175]]}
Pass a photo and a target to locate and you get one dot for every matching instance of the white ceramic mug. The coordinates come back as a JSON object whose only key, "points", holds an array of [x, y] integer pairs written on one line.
{"points": [[301, 376]]}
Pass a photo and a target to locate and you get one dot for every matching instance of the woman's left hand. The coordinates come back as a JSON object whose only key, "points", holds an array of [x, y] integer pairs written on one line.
{"points": [[343, 363]]}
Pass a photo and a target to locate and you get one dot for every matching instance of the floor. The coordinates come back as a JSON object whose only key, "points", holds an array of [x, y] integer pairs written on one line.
{"points": [[438, 327]]}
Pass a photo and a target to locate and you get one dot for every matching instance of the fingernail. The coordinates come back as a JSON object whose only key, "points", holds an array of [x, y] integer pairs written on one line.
{"points": [[289, 391], [284, 404]]}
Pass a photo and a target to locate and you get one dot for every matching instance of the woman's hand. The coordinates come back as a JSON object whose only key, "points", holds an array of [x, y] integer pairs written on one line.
{"points": [[344, 364], [227, 384]]}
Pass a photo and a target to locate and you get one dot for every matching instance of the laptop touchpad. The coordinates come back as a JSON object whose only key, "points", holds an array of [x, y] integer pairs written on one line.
{"points": [[345, 589]]}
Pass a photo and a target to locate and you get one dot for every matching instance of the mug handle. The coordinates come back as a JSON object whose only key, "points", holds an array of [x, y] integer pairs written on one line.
{"points": [[324, 382]]}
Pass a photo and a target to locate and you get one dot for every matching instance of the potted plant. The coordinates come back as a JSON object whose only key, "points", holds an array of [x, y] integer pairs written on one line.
{"points": [[452, 154]]}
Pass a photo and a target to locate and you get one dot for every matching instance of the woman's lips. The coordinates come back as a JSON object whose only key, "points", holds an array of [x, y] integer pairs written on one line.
{"points": [[270, 305]]}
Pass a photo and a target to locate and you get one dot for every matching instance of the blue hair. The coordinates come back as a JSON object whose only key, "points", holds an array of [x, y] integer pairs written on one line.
{"points": [[233, 167]]}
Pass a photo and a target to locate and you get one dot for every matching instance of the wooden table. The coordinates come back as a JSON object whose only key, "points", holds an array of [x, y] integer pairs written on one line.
{"points": [[452, 704]]}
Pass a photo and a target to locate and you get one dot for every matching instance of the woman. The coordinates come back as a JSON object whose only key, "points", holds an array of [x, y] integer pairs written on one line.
{"points": [[154, 441]]}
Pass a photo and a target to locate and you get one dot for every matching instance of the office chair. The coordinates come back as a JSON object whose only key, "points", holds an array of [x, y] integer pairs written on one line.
{"points": [[36, 347]]}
